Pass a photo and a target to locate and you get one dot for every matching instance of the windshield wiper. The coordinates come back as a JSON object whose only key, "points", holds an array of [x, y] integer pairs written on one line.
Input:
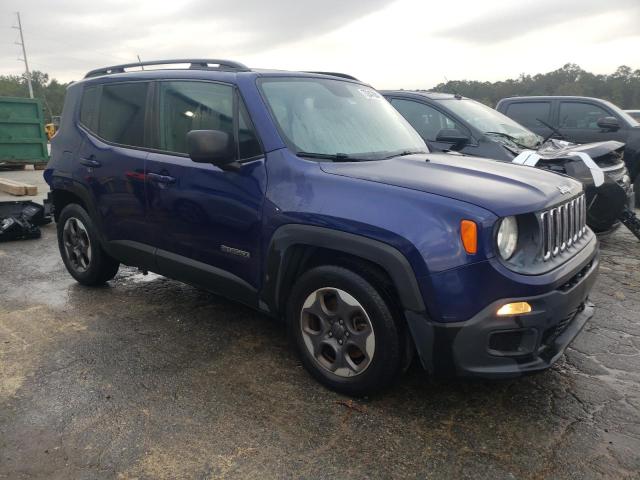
{"points": [[510, 137], [337, 157], [404, 153], [553, 130]]}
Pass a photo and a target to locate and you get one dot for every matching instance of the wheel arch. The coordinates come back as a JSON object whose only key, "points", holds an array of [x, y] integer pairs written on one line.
{"points": [[295, 248], [61, 198], [71, 192]]}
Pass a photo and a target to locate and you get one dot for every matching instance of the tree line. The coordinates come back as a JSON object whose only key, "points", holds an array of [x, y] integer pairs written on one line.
{"points": [[49, 91], [621, 87]]}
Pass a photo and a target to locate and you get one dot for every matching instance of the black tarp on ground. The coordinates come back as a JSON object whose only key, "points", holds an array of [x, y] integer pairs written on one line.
{"points": [[21, 220]]}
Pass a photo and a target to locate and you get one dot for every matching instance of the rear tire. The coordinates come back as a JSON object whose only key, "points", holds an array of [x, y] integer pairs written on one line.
{"points": [[344, 331], [80, 248]]}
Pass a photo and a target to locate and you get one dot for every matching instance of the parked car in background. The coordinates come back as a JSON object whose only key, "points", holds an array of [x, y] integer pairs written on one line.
{"points": [[309, 198], [449, 122], [635, 114], [579, 120]]}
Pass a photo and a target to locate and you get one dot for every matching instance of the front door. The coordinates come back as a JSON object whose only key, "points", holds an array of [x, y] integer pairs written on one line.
{"points": [[578, 122], [428, 122], [206, 221]]}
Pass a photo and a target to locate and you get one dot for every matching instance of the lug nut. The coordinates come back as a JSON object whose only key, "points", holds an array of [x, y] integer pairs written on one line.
{"points": [[331, 334], [347, 334], [341, 322], [340, 342]]}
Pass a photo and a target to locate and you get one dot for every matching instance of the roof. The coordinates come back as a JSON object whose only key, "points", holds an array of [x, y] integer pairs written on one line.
{"points": [[554, 97], [423, 93]]}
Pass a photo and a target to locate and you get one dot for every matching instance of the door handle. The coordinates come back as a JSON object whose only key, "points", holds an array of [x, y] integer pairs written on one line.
{"points": [[166, 179], [90, 161]]}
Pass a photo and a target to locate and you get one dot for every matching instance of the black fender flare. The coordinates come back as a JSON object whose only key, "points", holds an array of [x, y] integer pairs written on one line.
{"points": [[382, 254], [68, 185]]}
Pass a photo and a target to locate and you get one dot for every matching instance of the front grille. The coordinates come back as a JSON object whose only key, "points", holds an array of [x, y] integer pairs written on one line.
{"points": [[562, 226]]}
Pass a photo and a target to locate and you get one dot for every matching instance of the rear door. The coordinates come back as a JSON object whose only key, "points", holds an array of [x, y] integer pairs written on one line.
{"points": [[204, 219], [528, 113], [111, 160], [578, 122]]}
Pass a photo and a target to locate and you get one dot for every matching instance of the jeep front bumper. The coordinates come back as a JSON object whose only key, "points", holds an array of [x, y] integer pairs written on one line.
{"points": [[490, 346]]}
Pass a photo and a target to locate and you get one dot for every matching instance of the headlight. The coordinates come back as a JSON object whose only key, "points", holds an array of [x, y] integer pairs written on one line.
{"points": [[507, 237]]}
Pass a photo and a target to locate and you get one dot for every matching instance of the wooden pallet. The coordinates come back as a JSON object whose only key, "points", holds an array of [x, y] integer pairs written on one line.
{"points": [[17, 188]]}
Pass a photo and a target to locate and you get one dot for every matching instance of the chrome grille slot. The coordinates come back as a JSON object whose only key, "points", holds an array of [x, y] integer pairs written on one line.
{"points": [[562, 226]]}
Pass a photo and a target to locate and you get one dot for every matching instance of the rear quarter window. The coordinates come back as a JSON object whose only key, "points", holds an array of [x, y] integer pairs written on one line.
{"points": [[528, 113], [89, 108]]}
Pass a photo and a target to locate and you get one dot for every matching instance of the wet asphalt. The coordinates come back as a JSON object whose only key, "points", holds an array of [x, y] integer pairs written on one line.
{"points": [[149, 378]]}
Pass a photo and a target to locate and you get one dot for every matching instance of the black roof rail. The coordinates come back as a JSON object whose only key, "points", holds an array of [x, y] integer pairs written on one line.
{"points": [[195, 64], [337, 74]]}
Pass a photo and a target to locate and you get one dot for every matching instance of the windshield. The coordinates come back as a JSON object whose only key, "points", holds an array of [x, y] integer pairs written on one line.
{"points": [[338, 119], [490, 121]]}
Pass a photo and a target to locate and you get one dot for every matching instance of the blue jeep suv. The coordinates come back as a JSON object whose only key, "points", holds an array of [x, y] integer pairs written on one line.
{"points": [[308, 197]]}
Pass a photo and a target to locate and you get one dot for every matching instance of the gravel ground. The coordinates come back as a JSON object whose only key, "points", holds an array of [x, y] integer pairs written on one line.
{"points": [[149, 378]]}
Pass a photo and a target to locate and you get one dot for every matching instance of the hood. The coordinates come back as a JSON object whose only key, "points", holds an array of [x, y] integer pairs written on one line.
{"points": [[605, 154], [503, 188]]}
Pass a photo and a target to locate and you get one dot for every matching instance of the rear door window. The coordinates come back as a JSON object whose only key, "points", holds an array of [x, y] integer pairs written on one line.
{"points": [[121, 114], [581, 115], [528, 113], [426, 120]]}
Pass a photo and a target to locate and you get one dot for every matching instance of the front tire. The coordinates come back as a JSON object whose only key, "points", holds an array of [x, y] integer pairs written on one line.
{"points": [[80, 248], [344, 331]]}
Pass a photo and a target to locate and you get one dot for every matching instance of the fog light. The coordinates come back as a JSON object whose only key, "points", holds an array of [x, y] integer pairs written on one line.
{"points": [[516, 308]]}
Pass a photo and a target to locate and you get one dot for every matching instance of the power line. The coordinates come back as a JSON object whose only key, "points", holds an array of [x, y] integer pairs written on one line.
{"points": [[24, 55]]}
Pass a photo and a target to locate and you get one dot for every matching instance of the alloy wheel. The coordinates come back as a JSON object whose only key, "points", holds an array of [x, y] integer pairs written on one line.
{"points": [[77, 244], [337, 332]]}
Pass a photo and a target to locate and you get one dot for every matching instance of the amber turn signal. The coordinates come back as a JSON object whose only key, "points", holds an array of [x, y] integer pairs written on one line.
{"points": [[469, 236], [516, 308]]}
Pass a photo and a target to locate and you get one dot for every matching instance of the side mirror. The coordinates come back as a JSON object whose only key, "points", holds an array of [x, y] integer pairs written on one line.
{"points": [[453, 136], [212, 146], [610, 124]]}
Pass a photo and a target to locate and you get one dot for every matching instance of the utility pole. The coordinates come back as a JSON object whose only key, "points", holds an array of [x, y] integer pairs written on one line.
{"points": [[24, 55]]}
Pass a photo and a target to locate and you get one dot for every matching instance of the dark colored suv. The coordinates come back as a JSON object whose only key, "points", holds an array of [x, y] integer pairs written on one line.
{"points": [[449, 122], [308, 197], [579, 120]]}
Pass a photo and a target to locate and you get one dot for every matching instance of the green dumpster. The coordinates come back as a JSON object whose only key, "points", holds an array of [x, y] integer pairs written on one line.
{"points": [[22, 135]]}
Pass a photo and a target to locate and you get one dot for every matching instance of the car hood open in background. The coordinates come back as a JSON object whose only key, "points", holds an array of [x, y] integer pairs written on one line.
{"points": [[503, 188], [601, 169], [605, 154]]}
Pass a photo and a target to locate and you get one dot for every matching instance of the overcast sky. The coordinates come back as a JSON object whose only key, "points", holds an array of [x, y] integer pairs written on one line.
{"points": [[388, 43]]}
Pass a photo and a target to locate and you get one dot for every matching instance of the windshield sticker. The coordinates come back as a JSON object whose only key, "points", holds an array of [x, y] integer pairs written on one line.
{"points": [[370, 94]]}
